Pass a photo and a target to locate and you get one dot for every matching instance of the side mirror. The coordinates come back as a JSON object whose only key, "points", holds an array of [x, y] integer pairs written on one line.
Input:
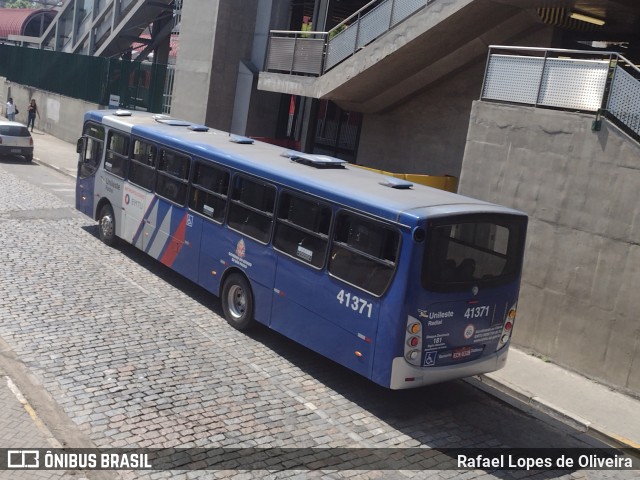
{"points": [[80, 145]]}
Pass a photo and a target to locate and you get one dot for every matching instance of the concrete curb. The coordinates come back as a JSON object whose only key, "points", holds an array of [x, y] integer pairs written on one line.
{"points": [[525, 400], [53, 167]]}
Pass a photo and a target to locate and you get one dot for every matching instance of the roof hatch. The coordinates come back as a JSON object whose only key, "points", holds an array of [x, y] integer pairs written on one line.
{"points": [[169, 120], [198, 128], [317, 161], [241, 139], [397, 183]]}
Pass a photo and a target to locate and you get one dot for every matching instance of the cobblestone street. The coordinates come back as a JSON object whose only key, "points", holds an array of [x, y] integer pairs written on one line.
{"points": [[135, 356]]}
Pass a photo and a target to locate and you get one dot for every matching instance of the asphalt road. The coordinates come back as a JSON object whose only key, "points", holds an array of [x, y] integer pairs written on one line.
{"points": [[115, 350]]}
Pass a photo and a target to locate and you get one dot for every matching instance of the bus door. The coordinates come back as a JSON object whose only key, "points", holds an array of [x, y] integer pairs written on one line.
{"points": [[138, 198], [250, 220], [466, 300], [90, 149], [111, 182]]}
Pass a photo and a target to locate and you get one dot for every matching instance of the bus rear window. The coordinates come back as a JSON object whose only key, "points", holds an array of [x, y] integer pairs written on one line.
{"points": [[462, 252]]}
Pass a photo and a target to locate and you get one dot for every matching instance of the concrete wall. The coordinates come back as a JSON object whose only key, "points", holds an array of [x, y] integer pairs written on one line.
{"points": [[59, 116], [426, 135], [582, 265]]}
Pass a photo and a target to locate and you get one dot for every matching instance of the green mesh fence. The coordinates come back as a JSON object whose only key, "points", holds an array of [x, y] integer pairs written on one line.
{"points": [[94, 79]]}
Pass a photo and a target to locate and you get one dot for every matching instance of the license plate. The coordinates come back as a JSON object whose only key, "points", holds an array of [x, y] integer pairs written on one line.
{"points": [[462, 352], [16, 150]]}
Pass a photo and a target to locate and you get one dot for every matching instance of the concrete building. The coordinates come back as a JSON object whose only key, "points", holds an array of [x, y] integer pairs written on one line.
{"points": [[402, 99]]}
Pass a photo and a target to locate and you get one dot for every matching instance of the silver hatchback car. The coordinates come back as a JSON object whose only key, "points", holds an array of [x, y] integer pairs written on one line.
{"points": [[15, 139]]}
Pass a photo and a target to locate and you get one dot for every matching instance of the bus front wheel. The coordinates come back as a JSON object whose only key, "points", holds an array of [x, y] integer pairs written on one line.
{"points": [[237, 301], [107, 225]]}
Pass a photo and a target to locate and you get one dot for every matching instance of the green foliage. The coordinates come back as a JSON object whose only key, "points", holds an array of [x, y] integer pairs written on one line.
{"points": [[20, 4]]}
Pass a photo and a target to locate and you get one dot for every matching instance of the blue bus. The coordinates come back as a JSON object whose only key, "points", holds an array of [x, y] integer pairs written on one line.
{"points": [[404, 284]]}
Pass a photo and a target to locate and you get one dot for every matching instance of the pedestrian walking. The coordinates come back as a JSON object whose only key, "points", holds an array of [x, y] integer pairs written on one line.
{"points": [[32, 111], [11, 110]]}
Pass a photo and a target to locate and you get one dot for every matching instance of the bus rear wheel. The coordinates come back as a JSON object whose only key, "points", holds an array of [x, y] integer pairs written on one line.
{"points": [[237, 301], [107, 225]]}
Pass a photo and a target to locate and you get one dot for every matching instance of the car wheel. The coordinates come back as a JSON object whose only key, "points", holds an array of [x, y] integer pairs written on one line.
{"points": [[28, 158], [107, 225], [237, 301]]}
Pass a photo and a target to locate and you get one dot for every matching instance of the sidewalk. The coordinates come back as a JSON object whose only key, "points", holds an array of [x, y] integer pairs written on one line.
{"points": [[526, 382], [587, 406], [55, 153]]}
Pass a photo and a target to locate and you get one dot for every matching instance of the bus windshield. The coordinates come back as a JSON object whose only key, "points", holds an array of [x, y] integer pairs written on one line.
{"points": [[471, 251]]}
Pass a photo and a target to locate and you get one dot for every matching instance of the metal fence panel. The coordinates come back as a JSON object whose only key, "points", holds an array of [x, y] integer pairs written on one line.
{"points": [[167, 97], [402, 9], [374, 23], [93, 79], [510, 78], [602, 82], [573, 84], [624, 99], [280, 55], [296, 54], [308, 55], [75, 76], [341, 46]]}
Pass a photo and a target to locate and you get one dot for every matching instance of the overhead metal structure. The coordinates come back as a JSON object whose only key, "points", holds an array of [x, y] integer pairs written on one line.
{"points": [[106, 27]]}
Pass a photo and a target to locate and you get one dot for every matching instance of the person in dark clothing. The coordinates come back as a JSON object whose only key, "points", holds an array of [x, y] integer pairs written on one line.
{"points": [[32, 111]]}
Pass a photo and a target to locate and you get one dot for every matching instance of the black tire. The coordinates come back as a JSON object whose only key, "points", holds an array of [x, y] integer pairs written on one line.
{"points": [[107, 225], [237, 301], [28, 158]]}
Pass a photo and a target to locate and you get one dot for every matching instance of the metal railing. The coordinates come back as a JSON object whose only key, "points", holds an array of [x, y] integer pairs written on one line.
{"points": [[315, 53], [575, 80], [296, 52]]}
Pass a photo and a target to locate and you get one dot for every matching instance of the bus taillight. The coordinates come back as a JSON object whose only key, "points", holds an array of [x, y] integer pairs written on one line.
{"points": [[413, 342], [414, 328], [507, 328]]}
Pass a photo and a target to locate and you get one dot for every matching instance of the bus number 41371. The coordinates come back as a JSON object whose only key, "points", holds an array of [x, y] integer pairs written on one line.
{"points": [[477, 312], [355, 303]]}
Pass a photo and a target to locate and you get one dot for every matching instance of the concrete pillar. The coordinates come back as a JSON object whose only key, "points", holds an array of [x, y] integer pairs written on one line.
{"points": [[194, 62]]}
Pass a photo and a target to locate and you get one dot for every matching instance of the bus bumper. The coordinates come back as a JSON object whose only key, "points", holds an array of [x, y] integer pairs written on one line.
{"points": [[405, 375]]}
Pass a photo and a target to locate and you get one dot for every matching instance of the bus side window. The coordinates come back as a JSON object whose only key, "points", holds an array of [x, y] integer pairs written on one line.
{"points": [[117, 156], [173, 175], [302, 229], [209, 192], [142, 170], [364, 252], [251, 208]]}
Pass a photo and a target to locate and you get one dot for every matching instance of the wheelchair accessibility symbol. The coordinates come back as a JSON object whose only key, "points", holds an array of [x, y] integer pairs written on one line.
{"points": [[430, 359]]}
